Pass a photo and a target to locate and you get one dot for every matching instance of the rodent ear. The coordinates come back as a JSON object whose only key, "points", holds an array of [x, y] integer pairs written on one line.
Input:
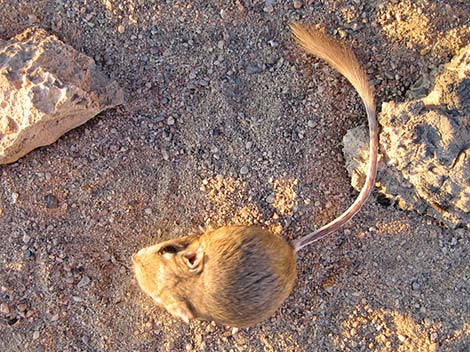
{"points": [[194, 260]]}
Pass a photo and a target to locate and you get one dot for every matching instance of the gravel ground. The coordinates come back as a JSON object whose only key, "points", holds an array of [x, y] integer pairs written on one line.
{"points": [[228, 120]]}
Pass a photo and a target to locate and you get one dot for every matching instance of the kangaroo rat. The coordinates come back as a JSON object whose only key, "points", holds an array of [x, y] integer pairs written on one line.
{"points": [[240, 275]]}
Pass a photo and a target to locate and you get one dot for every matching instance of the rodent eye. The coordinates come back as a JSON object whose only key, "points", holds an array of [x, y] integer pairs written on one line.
{"points": [[169, 249]]}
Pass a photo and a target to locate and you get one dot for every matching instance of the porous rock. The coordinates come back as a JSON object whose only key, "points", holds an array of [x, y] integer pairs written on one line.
{"points": [[46, 89], [425, 148]]}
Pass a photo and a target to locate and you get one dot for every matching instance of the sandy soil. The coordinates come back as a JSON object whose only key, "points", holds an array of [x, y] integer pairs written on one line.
{"points": [[226, 121]]}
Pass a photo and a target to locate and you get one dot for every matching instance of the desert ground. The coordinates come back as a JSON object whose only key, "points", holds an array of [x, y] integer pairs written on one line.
{"points": [[226, 121]]}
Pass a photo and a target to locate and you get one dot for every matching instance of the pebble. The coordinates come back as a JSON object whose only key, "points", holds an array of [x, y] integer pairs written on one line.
{"points": [[159, 118], [244, 170], [252, 69], [51, 201], [4, 308], [29, 313], [28, 253], [268, 8], [415, 286], [271, 198], [165, 155], [121, 29], [26, 238], [170, 121], [389, 75], [14, 197], [148, 211], [85, 281], [35, 335], [297, 4]]}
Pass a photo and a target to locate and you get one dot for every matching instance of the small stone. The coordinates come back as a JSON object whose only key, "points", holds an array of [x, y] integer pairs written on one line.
{"points": [[269, 8], [35, 335], [51, 201], [297, 4], [4, 308], [159, 118], [148, 211], [415, 286], [311, 123], [271, 198], [22, 307], [26, 239], [28, 253], [121, 29], [244, 170], [252, 69], [85, 281], [65, 91], [14, 197], [170, 121], [165, 155]]}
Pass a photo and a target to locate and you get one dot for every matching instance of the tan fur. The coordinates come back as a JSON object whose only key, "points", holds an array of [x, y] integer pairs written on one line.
{"points": [[247, 274]]}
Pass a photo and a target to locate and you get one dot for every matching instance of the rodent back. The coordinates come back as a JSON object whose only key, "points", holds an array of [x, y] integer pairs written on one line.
{"points": [[248, 274]]}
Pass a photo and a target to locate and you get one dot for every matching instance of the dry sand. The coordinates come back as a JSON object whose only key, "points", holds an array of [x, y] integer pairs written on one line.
{"points": [[226, 121]]}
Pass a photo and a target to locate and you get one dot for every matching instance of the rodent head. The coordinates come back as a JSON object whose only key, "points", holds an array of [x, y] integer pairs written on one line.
{"points": [[160, 268]]}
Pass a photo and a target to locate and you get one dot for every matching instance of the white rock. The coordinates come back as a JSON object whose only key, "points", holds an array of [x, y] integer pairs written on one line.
{"points": [[46, 89]]}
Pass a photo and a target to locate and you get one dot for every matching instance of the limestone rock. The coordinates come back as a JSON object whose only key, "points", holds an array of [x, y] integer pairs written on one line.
{"points": [[425, 148], [46, 89]]}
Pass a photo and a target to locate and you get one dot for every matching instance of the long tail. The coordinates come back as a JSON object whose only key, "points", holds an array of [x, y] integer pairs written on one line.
{"points": [[342, 60]]}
